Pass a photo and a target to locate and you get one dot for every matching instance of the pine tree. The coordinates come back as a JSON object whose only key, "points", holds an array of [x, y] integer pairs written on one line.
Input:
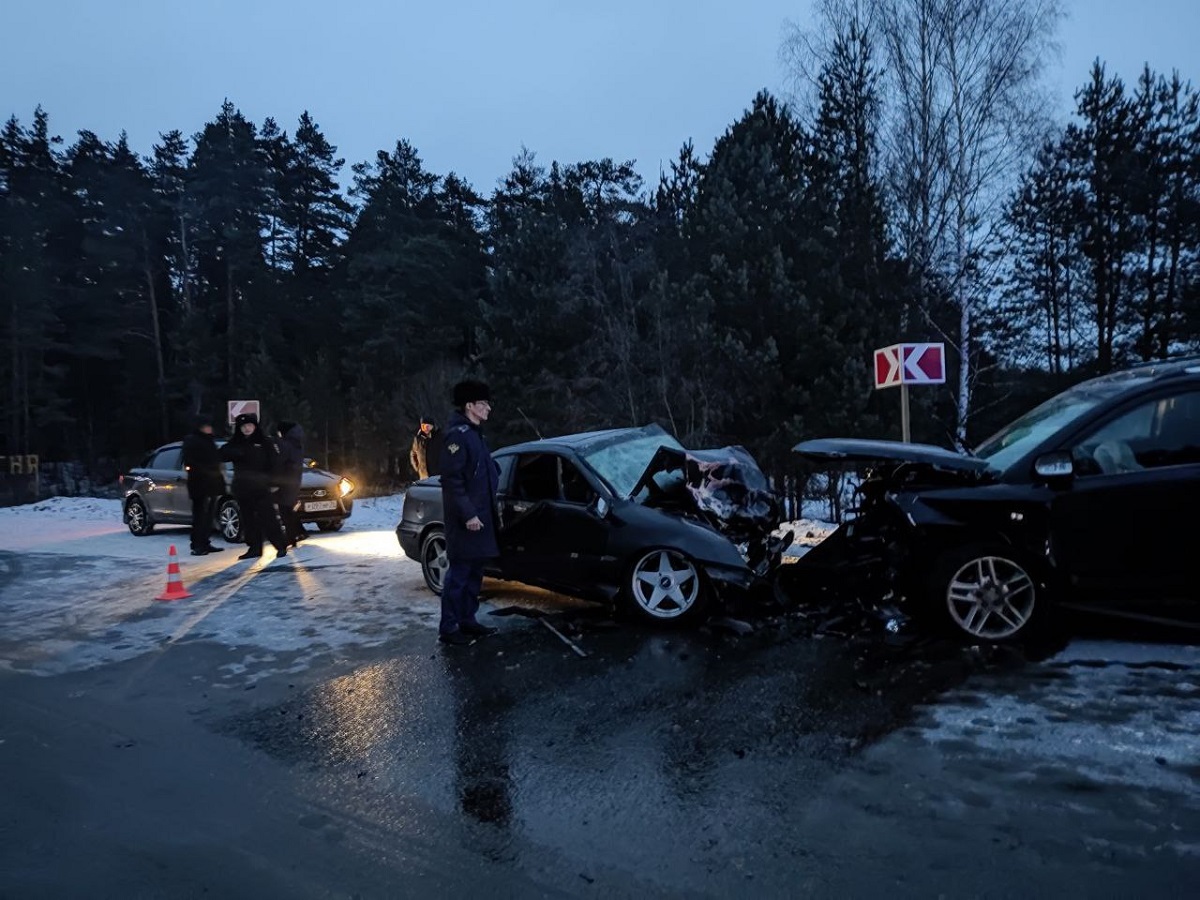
{"points": [[228, 181], [1102, 151], [744, 238], [34, 219]]}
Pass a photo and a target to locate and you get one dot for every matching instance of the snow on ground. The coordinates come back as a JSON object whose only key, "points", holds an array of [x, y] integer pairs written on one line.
{"points": [[78, 590], [93, 526], [377, 512], [806, 534]]}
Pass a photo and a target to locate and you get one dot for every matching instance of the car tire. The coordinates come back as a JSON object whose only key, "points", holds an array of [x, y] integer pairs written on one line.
{"points": [[331, 526], [434, 562], [987, 593], [137, 517], [666, 587], [229, 521]]}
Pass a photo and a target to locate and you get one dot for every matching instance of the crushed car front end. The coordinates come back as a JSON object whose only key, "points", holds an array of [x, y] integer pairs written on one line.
{"points": [[725, 493]]}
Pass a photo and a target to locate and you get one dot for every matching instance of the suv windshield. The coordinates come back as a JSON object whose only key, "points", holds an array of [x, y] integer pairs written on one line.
{"points": [[622, 463], [1015, 440]]}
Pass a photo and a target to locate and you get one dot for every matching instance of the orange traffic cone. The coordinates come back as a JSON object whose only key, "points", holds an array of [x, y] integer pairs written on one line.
{"points": [[175, 589]]}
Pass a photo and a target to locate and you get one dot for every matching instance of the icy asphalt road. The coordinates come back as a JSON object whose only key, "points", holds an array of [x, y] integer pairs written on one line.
{"points": [[293, 730]]}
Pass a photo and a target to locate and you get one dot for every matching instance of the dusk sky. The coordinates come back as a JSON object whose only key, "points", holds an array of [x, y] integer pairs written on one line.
{"points": [[469, 82]]}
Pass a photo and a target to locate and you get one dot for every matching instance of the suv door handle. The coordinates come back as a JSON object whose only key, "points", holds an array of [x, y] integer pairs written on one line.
{"points": [[521, 507]]}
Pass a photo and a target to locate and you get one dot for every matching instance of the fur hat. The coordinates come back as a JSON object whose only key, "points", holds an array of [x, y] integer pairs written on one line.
{"points": [[469, 392], [243, 418]]}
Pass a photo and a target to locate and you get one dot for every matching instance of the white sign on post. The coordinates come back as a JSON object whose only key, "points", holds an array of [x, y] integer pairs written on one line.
{"points": [[239, 407], [905, 364], [910, 364]]}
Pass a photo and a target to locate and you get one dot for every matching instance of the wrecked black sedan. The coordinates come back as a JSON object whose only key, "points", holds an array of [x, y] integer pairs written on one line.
{"points": [[624, 514], [1087, 501]]}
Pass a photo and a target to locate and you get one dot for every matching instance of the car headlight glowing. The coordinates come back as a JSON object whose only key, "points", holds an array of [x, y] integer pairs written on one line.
{"points": [[345, 486]]}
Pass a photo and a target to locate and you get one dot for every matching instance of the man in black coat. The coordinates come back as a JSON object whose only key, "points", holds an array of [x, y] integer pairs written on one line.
{"points": [[290, 440], [255, 464], [469, 480], [205, 483]]}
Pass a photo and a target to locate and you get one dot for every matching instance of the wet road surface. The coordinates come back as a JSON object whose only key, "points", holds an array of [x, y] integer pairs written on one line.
{"points": [[230, 762]]}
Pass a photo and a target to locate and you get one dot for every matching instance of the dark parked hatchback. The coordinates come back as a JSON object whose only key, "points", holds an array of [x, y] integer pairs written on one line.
{"points": [[1087, 501]]}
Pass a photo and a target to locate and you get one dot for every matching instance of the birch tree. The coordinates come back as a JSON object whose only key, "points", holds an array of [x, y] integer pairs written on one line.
{"points": [[962, 114]]}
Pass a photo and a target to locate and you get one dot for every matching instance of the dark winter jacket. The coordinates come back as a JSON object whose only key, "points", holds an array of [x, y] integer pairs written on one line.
{"points": [[202, 460], [291, 455], [469, 480], [255, 458]]}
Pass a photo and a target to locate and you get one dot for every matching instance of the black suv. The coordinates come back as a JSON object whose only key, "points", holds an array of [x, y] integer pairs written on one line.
{"points": [[155, 493], [1086, 501]]}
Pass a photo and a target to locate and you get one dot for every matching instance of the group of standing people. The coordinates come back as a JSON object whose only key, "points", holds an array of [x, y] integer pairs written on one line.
{"points": [[266, 482]]}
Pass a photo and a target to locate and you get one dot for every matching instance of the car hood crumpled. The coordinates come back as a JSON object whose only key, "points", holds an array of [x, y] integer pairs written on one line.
{"points": [[725, 485], [851, 450]]}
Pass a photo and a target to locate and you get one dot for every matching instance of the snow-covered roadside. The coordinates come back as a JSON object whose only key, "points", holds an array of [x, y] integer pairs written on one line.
{"points": [[92, 526], [78, 590]]}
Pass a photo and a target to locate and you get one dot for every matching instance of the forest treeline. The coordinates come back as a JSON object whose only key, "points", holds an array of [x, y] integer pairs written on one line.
{"points": [[736, 300]]}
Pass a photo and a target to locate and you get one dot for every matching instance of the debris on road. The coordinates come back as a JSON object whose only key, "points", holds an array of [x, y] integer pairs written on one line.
{"points": [[540, 617]]}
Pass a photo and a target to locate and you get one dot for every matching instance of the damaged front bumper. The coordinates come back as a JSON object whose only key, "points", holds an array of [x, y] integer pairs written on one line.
{"points": [[852, 562], [757, 579]]}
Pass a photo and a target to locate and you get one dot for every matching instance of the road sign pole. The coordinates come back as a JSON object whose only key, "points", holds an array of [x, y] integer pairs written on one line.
{"points": [[905, 430]]}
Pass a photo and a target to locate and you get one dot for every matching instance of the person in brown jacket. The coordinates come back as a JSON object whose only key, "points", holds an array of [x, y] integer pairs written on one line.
{"points": [[423, 456]]}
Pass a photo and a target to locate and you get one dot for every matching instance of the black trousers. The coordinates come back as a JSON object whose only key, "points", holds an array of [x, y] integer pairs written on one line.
{"points": [[286, 498], [202, 520], [460, 595], [260, 519]]}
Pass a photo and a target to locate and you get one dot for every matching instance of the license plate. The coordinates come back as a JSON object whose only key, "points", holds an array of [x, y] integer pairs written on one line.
{"points": [[320, 505]]}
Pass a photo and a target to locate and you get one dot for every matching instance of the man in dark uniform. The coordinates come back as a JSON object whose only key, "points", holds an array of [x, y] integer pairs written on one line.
{"points": [[469, 481], [205, 483]]}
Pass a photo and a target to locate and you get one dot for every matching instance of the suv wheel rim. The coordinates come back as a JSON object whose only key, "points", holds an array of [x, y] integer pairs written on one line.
{"points": [[436, 562], [137, 516], [665, 584], [991, 597], [230, 522]]}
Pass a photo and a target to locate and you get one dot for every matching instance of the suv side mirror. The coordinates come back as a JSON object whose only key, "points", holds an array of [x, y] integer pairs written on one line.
{"points": [[599, 507], [1054, 466]]}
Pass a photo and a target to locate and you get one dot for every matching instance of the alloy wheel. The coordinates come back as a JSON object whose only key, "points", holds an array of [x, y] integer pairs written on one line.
{"points": [[665, 584], [229, 520], [991, 597], [435, 562], [135, 515]]}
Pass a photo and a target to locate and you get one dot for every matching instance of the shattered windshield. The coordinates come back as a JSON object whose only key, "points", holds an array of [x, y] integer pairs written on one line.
{"points": [[1015, 440], [622, 463]]}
